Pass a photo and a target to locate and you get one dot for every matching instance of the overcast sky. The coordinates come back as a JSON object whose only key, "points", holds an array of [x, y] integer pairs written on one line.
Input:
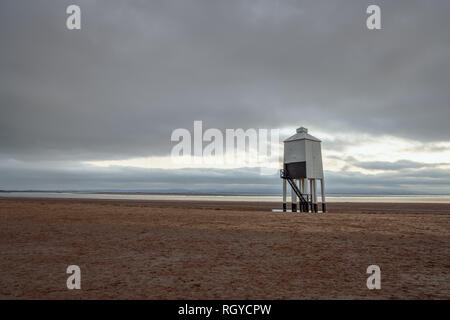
{"points": [[95, 108]]}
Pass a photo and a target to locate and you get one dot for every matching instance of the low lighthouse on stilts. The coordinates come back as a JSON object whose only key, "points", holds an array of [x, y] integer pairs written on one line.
{"points": [[302, 167]]}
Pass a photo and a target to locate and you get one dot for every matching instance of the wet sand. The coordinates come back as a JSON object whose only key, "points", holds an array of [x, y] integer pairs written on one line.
{"points": [[132, 249]]}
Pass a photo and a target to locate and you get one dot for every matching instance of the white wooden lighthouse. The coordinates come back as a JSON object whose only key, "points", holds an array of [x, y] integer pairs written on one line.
{"points": [[302, 166]]}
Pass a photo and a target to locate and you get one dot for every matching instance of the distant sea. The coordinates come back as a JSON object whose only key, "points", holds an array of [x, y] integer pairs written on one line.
{"points": [[250, 198]]}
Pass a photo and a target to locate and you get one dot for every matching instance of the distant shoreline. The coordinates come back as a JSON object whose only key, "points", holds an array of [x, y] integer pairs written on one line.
{"points": [[223, 193], [221, 197]]}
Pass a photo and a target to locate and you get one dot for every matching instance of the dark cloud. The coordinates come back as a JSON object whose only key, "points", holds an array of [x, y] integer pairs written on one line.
{"points": [[394, 166], [426, 181], [243, 180], [139, 69]]}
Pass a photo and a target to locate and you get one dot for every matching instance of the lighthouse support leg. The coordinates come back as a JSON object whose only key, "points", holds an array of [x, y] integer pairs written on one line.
{"points": [[302, 190], [305, 192], [284, 195], [293, 200], [316, 209], [312, 183], [322, 186]]}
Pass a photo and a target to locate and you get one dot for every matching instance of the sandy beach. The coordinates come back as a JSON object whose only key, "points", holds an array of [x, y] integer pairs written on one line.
{"points": [[221, 250]]}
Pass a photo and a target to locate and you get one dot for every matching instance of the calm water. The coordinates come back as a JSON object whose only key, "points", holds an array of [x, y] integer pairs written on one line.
{"points": [[266, 198]]}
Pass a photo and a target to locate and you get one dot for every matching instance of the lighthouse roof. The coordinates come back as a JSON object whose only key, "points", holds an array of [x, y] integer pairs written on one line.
{"points": [[302, 134]]}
